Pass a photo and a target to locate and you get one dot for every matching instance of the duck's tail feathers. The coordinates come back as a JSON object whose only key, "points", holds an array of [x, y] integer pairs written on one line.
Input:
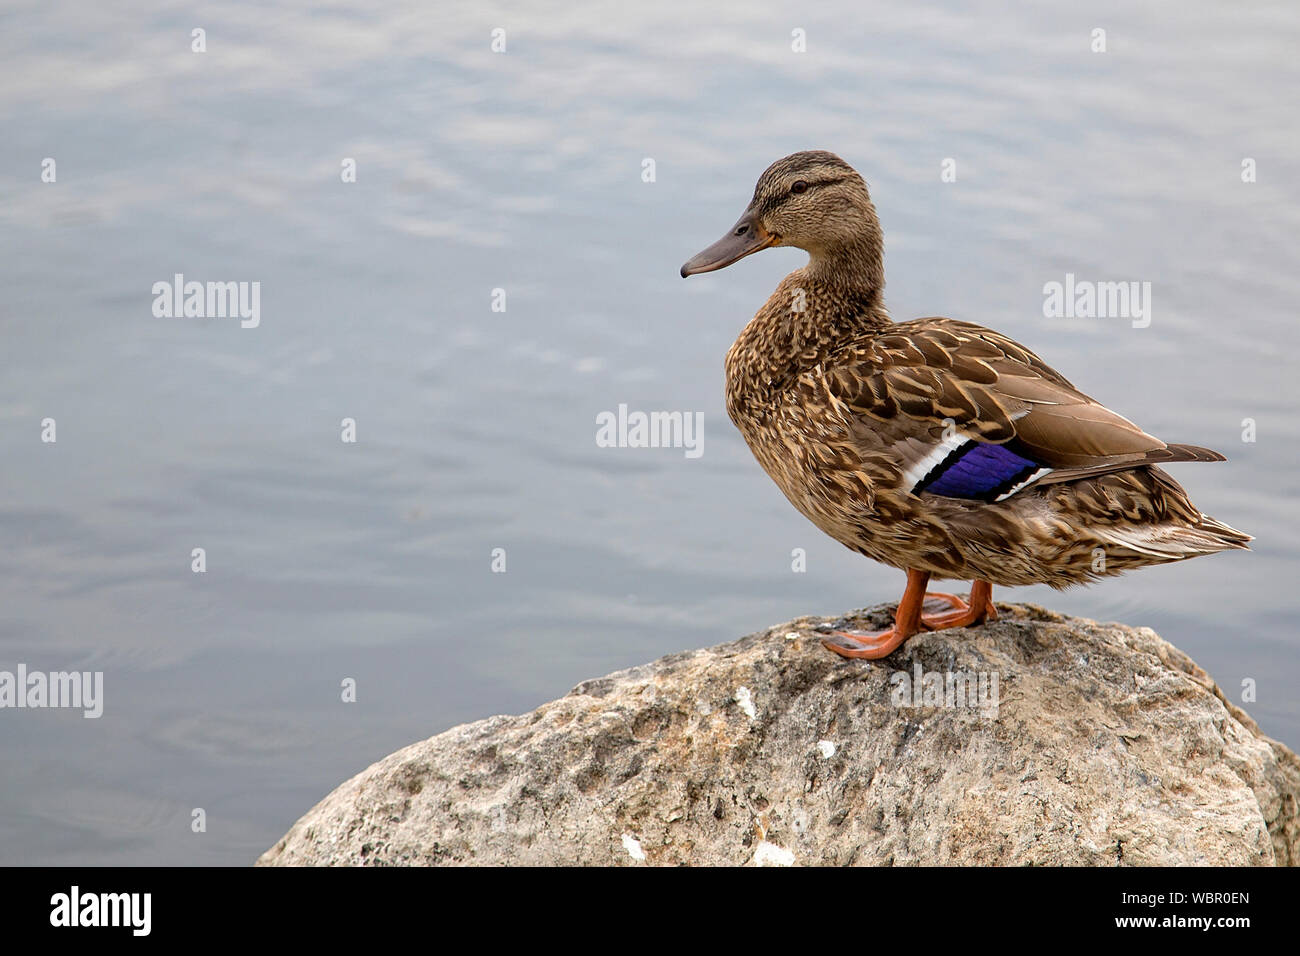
{"points": [[1174, 541], [1230, 536], [1194, 453]]}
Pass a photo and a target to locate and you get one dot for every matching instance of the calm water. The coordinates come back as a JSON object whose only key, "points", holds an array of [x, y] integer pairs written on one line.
{"points": [[522, 171]]}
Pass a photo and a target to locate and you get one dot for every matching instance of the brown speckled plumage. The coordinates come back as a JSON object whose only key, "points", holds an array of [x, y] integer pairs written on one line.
{"points": [[844, 408]]}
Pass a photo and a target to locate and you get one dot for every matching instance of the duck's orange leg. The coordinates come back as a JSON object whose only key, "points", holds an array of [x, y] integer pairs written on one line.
{"points": [[908, 619], [976, 611], [873, 645]]}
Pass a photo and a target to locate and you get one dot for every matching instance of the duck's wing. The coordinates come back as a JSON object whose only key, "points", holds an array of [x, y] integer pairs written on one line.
{"points": [[966, 412]]}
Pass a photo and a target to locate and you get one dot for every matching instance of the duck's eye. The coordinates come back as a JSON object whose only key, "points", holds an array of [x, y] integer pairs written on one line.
{"points": [[799, 187]]}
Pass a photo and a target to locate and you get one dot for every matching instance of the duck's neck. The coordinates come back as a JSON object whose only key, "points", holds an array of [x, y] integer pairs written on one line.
{"points": [[814, 312], [845, 291], [851, 278]]}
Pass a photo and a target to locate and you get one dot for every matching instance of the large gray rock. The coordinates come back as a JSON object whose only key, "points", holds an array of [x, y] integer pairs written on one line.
{"points": [[1105, 745]]}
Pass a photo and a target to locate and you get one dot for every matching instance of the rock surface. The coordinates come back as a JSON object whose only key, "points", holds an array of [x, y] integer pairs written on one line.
{"points": [[1104, 745]]}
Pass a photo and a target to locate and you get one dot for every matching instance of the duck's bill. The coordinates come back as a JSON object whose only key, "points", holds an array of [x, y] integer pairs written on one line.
{"points": [[746, 237]]}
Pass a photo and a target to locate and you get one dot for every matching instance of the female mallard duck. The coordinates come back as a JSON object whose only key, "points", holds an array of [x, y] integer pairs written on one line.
{"points": [[935, 446]]}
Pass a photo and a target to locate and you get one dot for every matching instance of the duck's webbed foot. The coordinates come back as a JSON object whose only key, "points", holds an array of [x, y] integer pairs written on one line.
{"points": [[947, 610], [967, 613], [938, 603], [871, 645]]}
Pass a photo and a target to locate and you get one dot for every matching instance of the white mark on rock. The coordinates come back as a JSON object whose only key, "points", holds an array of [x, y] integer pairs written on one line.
{"points": [[746, 701], [800, 821], [633, 847], [769, 854], [792, 636], [826, 747]]}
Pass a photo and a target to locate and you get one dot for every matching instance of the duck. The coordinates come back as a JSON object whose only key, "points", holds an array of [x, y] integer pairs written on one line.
{"points": [[935, 446]]}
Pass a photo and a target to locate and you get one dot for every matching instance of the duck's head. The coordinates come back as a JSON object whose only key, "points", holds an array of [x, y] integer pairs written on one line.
{"points": [[811, 200]]}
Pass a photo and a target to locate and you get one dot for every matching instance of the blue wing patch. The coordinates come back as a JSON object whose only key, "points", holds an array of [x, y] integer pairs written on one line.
{"points": [[978, 471]]}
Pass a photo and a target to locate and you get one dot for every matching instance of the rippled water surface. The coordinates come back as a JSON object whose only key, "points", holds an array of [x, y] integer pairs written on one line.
{"points": [[522, 171]]}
